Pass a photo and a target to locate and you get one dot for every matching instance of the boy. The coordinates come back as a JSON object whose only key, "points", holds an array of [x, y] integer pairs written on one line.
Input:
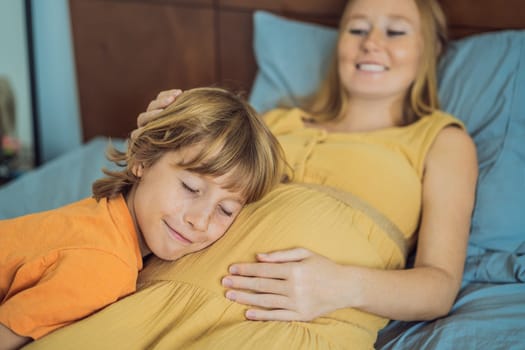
{"points": [[185, 178]]}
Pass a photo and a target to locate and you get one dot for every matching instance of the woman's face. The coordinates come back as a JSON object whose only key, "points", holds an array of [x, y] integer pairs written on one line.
{"points": [[380, 48]]}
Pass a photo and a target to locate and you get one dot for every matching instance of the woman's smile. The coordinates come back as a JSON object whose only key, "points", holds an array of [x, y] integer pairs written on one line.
{"points": [[371, 67]]}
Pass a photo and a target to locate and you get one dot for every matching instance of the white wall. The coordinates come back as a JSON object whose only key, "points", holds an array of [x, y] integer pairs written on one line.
{"points": [[56, 90], [57, 99], [14, 64]]}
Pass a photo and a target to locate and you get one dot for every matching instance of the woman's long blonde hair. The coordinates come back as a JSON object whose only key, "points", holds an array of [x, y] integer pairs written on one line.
{"points": [[329, 102], [233, 138]]}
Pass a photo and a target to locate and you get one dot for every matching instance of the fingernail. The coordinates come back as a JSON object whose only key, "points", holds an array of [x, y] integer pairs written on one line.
{"points": [[231, 295], [250, 314], [169, 98], [233, 269], [226, 282]]}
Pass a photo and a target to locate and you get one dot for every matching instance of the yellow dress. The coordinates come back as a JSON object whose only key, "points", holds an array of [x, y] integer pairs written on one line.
{"points": [[370, 221]]}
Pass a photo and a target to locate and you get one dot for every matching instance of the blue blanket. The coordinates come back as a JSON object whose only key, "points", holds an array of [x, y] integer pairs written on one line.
{"points": [[489, 312]]}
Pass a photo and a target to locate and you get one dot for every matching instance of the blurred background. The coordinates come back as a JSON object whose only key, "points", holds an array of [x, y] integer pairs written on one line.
{"points": [[37, 79]]}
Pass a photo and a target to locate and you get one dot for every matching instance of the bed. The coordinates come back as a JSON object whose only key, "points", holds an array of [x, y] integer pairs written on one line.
{"points": [[482, 82]]}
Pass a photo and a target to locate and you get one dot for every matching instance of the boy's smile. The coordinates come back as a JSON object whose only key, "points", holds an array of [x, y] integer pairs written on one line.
{"points": [[176, 235]]}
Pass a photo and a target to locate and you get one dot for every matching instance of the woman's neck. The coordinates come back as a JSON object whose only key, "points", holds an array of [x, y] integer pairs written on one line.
{"points": [[370, 114]]}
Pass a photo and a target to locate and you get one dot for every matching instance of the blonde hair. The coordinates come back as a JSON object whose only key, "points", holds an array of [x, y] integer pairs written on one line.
{"points": [[233, 138], [330, 100]]}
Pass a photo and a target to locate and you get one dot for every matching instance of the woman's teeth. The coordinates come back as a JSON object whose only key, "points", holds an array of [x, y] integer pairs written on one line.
{"points": [[370, 67]]}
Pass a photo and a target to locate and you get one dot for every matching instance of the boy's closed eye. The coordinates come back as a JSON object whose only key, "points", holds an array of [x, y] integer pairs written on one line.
{"points": [[225, 211], [189, 188], [194, 190]]}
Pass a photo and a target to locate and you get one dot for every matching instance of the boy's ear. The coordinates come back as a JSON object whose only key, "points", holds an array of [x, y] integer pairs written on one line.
{"points": [[137, 170]]}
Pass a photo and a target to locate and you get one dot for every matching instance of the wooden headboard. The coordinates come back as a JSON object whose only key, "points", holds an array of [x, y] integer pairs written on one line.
{"points": [[126, 51]]}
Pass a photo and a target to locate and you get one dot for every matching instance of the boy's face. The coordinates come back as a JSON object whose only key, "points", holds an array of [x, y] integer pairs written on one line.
{"points": [[176, 211]]}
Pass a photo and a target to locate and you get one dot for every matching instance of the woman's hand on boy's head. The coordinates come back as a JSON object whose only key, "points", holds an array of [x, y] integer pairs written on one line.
{"points": [[163, 100]]}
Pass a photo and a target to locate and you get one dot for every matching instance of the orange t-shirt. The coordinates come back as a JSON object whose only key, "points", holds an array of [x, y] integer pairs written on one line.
{"points": [[64, 264]]}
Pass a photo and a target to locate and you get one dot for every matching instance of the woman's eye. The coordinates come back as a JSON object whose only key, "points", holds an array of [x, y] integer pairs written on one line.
{"points": [[360, 32], [188, 188], [395, 32]]}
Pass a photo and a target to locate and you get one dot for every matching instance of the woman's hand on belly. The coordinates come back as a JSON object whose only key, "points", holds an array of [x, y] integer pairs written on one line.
{"points": [[287, 285]]}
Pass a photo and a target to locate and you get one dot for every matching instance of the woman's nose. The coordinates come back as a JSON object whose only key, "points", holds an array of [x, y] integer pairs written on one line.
{"points": [[373, 40]]}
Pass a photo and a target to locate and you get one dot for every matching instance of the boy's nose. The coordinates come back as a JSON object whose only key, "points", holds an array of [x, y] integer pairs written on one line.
{"points": [[199, 218]]}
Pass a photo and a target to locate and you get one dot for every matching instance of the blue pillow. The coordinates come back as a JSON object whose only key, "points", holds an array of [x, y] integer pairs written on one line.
{"points": [[63, 180], [482, 82], [292, 58]]}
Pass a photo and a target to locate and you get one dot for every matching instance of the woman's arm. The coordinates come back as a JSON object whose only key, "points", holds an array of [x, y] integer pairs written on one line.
{"points": [[301, 285]]}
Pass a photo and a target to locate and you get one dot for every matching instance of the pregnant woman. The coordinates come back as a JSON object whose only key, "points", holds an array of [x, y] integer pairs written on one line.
{"points": [[374, 164]]}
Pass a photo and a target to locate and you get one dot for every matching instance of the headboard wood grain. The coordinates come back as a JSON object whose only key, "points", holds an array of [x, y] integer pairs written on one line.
{"points": [[126, 51]]}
